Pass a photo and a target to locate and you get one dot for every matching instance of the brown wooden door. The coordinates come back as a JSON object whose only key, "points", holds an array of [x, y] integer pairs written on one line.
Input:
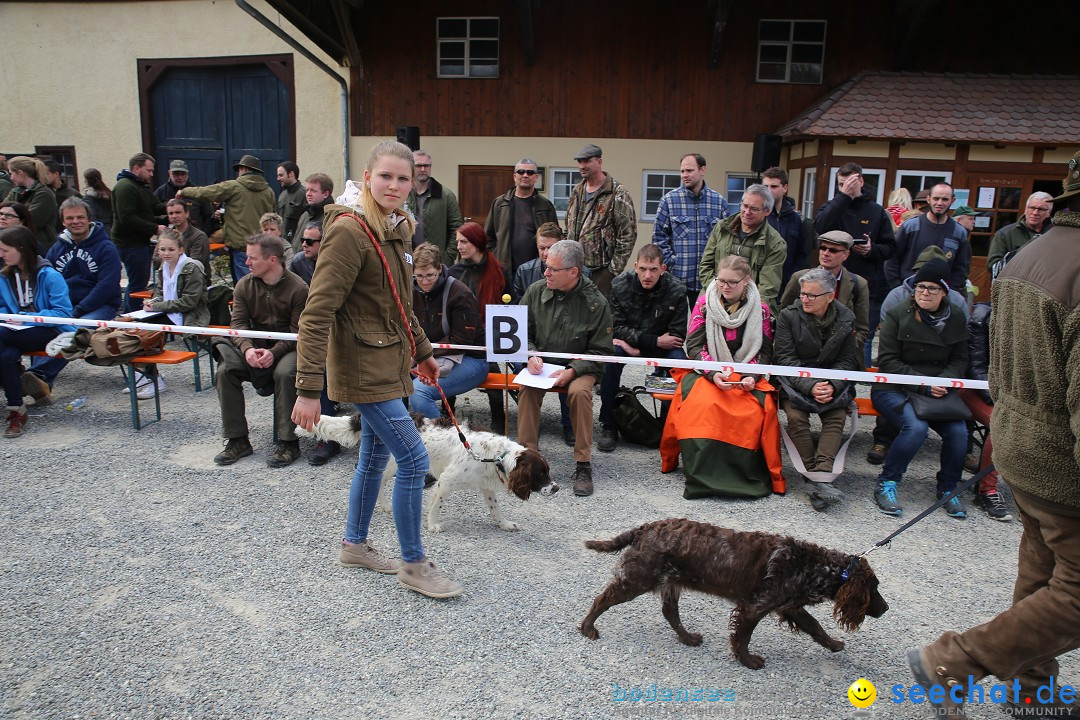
{"points": [[479, 185]]}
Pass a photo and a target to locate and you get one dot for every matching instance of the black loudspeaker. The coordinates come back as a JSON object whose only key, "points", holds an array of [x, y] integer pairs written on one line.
{"points": [[410, 135], [766, 152]]}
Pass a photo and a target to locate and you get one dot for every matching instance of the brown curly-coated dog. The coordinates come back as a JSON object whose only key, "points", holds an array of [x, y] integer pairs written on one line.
{"points": [[761, 572]]}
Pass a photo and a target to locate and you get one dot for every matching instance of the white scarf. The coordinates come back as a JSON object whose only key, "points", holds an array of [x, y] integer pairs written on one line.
{"points": [[717, 319], [168, 285]]}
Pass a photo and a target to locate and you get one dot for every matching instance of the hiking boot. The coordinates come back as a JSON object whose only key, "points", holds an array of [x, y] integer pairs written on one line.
{"points": [[363, 555], [235, 448], [323, 452], [971, 463], [147, 391], [609, 438], [16, 421], [954, 508], [877, 454], [36, 388], [991, 503], [822, 494], [286, 453], [885, 497], [582, 479], [426, 579], [926, 674], [568, 436]]}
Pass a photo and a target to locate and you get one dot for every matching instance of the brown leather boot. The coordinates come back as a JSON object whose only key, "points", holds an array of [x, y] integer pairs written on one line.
{"points": [[582, 479]]}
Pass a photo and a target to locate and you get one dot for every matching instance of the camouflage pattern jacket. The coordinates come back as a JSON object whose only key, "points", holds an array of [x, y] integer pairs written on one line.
{"points": [[606, 226]]}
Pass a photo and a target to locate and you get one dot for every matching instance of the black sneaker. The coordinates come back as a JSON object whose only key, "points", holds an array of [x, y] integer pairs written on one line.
{"points": [[877, 454], [286, 453], [323, 452], [993, 505], [235, 448], [568, 436], [609, 438]]}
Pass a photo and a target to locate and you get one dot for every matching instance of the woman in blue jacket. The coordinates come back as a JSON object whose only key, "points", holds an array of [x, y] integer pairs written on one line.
{"points": [[28, 286]]}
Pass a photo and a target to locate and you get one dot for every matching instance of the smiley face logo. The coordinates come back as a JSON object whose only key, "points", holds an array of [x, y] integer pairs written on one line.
{"points": [[862, 693]]}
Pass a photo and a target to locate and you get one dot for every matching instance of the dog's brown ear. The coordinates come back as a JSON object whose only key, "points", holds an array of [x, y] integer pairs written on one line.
{"points": [[519, 480], [853, 598]]}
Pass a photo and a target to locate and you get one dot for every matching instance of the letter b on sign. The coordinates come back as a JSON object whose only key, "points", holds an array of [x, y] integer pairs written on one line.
{"points": [[507, 333]]}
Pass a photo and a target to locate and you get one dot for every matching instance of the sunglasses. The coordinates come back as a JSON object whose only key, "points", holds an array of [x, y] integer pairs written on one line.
{"points": [[525, 172], [831, 249], [309, 241]]}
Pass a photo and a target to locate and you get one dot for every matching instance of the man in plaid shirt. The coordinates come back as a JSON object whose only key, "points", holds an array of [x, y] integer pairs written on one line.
{"points": [[684, 220]]}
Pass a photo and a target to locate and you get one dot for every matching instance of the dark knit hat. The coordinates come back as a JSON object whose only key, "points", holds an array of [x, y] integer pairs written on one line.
{"points": [[934, 270]]}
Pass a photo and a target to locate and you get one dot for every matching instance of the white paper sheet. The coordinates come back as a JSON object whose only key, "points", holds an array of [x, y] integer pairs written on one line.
{"points": [[543, 381]]}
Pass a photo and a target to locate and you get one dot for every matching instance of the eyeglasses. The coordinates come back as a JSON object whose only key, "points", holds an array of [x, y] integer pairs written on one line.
{"points": [[13, 216], [425, 276], [929, 289], [525, 172], [751, 208], [812, 296], [555, 269], [728, 283], [310, 241], [1039, 209], [831, 249], [423, 165]]}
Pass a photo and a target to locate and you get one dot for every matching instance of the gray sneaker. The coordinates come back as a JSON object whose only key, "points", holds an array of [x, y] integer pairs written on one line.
{"points": [[823, 494], [365, 556], [426, 579]]}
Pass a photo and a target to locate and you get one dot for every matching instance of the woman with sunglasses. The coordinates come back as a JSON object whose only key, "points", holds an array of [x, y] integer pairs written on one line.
{"points": [[725, 423]]}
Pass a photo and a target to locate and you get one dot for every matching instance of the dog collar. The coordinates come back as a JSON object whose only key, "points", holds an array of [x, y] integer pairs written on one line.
{"points": [[499, 461], [845, 574]]}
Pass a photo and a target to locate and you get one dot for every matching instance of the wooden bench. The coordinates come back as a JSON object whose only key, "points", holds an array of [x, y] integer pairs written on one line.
{"points": [[505, 381], [865, 405]]}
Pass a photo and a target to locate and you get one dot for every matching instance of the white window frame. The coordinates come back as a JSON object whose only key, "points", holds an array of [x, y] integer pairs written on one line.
{"points": [[733, 205], [554, 187], [649, 180], [876, 172], [789, 44], [809, 190], [467, 39], [922, 175]]}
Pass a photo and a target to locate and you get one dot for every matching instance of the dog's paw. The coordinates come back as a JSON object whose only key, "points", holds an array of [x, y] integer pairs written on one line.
{"points": [[589, 632], [691, 639], [507, 525], [835, 645], [754, 662], [435, 527]]}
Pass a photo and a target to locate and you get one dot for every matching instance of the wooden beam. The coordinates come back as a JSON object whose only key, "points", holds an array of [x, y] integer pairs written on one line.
{"points": [[525, 7], [719, 26], [343, 16]]}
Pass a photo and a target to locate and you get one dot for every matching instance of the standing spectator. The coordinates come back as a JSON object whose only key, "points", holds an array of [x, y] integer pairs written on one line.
{"points": [[246, 198], [99, 197], [28, 286], [569, 315], [5, 177], [854, 211], [924, 336], [648, 318], [965, 216], [200, 212], [819, 333], [438, 215], [90, 265], [600, 215], [933, 228], [514, 218], [798, 233], [1011, 238], [303, 263], [749, 236], [318, 192], [1033, 380], [27, 175], [349, 300], [291, 200], [684, 219], [54, 178], [135, 224], [194, 241], [899, 203], [270, 298]]}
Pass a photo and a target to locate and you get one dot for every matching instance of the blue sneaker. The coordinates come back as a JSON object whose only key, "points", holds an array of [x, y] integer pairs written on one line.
{"points": [[885, 497], [954, 508]]}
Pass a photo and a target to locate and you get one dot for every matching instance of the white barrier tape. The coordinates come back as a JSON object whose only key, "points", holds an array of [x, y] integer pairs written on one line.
{"points": [[819, 373]]}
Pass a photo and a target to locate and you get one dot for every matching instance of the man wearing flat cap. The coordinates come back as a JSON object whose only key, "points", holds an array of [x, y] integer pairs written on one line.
{"points": [[200, 212], [600, 216], [247, 198]]}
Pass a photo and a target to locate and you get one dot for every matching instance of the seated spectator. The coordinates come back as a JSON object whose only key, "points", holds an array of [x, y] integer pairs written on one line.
{"points": [[923, 336], [99, 197], [818, 333], [488, 280], [269, 298], [448, 312], [28, 180], [987, 497], [725, 424], [14, 213], [195, 244], [272, 224], [28, 286], [567, 314], [648, 315], [303, 263], [899, 203], [90, 264], [318, 192]]}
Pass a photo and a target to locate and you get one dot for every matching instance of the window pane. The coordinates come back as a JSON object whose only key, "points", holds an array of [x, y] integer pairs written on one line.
{"points": [[452, 68], [805, 73], [483, 68], [771, 71], [452, 27], [813, 31], [773, 54], [1009, 198], [452, 50], [485, 28], [774, 30], [487, 49], [807, 53]]}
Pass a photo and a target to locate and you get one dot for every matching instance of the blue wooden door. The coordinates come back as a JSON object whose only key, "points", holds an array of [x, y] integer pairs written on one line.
{"points": [[211, 116]]}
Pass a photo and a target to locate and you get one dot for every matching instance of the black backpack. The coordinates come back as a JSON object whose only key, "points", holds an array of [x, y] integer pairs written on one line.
{"points": [[635, 423]]}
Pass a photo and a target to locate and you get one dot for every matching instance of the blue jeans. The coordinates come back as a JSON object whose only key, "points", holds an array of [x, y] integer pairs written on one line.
{"points": [[468, 374], [136, 262], [875, 320], [48, 368], [387, 428], [13, 343], [609, 383], [238, 259], [895, 408]]}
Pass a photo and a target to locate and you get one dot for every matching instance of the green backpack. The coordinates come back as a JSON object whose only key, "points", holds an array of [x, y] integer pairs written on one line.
{"points": [[635, 423]]}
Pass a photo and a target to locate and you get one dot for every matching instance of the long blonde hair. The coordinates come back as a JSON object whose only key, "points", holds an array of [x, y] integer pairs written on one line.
{"points": [[31, 166], [366, 204]]}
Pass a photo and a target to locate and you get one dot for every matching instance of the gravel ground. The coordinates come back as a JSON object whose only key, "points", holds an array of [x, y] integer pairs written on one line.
{"points": [[139, 580]]}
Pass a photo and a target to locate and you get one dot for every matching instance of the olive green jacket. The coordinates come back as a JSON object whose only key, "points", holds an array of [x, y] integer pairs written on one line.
{"points": [[765, 249], [247, 198], [576, 321]]}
